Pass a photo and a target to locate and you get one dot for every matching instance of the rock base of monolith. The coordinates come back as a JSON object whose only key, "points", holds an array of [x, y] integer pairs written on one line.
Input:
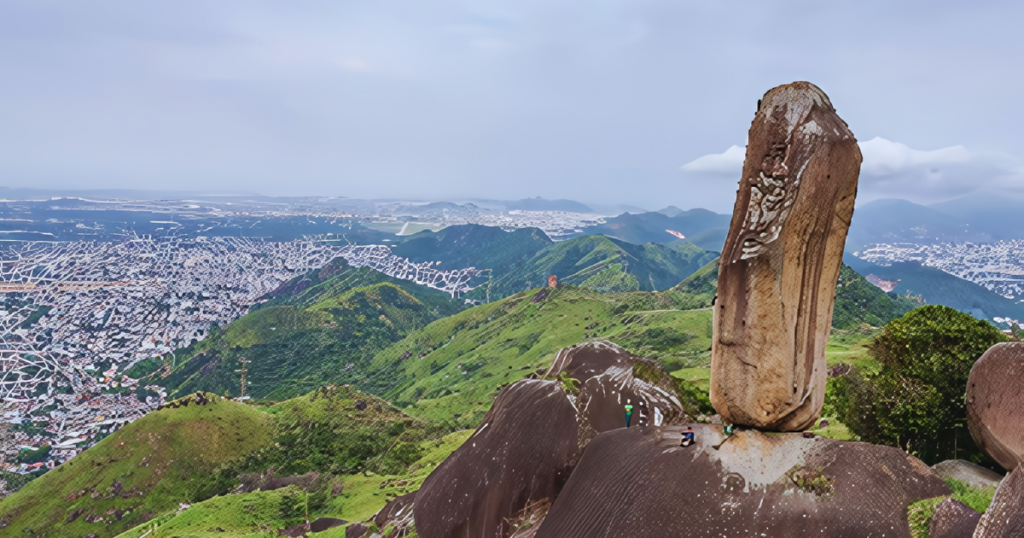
{"points": [[641, 483]]}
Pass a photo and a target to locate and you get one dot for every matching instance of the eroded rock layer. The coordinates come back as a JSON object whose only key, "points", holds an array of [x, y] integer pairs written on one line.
{"points": [[781, 261], [995, 403], [1005, 516], [641, 483]]}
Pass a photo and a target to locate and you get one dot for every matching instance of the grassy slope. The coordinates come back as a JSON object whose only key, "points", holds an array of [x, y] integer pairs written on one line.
{"points": [[190, 453], [308, 342], [455, 365], [156, 459], [260, 513]]}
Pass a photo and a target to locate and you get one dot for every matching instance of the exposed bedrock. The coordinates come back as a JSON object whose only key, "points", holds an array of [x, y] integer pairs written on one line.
{"points": [[781, 260], [641, 483], [608, 376], [995, 403], [953, 519], [517, 461], [1005, 516]]}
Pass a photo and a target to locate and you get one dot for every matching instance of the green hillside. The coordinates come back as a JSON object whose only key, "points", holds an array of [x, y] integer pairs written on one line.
{"points": [[323, 454], [145, 468], [311, 330], [450, 370], [604, 264]]}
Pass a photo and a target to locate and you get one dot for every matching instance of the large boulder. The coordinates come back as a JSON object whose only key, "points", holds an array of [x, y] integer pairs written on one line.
{"points": [[953, 519], [995, 403], [500, 482], [1005, 516], [608, 376], [969, 473], [781, 260], [522, 453], [640, 483]]}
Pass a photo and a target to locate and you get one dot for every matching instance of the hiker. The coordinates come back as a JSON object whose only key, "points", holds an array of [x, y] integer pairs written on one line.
{"points": [[729, 429], [687, 437], [629, 412]]}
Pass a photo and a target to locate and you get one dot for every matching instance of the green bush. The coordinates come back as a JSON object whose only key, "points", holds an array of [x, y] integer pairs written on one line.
{"points": [[916, 400]]}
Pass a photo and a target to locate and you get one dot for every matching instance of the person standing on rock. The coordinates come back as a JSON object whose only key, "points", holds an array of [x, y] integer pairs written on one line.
{"points": [[629, 412]]}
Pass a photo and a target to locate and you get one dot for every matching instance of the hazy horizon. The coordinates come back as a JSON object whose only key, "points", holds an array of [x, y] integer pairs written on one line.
{"points": [[617, 103]]}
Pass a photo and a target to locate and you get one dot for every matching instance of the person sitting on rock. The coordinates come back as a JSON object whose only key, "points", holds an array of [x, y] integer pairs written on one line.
{"points": [[629, 412], [729, 428], [688, 437]]}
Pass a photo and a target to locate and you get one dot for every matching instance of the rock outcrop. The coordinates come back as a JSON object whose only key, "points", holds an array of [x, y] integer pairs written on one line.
{"points": [[953, 519], [995, 403], [522, 453], [607, 377], [781, 260], [641, 483], [1005, 516], [969, 473], [517, 461]]}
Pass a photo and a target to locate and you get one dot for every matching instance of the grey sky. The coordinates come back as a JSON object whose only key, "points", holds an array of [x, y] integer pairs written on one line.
{"points": [[602, 101]]}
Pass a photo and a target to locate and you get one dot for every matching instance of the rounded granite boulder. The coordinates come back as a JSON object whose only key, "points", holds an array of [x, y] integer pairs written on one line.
{"points": [[995, 403]]}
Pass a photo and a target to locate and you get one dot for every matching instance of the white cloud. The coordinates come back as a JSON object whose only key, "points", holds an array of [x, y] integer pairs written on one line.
{"points": [[894, 170], [729, 161], [882, 157]]}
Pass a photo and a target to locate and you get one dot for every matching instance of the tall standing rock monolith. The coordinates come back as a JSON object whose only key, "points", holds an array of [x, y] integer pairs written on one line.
{"points": [[781, 260]]}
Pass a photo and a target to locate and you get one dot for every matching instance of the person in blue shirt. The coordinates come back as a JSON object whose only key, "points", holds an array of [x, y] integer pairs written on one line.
{"points": [[688, 437]]}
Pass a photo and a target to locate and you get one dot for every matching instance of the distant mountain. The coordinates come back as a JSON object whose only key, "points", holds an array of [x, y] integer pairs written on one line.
{"points": [[604, 264], [473, 245], [998, 215], [713, 239], [896, 221], [540, 204], [937, 287], [670, 211], [653, 227]]}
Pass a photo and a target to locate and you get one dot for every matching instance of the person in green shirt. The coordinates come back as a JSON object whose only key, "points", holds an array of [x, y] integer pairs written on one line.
{"points": [[629, 412]]}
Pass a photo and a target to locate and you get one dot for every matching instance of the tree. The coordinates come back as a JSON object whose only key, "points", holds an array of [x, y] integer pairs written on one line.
{"points": [[916, 399]]}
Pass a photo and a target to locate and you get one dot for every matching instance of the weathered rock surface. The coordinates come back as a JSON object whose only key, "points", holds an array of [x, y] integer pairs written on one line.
{"points": [[995, 403], [781, 260], [522, 453], [953, 519], [1005, 516], [608, 376], [640, 483], [500, 482], [968, 473]]}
